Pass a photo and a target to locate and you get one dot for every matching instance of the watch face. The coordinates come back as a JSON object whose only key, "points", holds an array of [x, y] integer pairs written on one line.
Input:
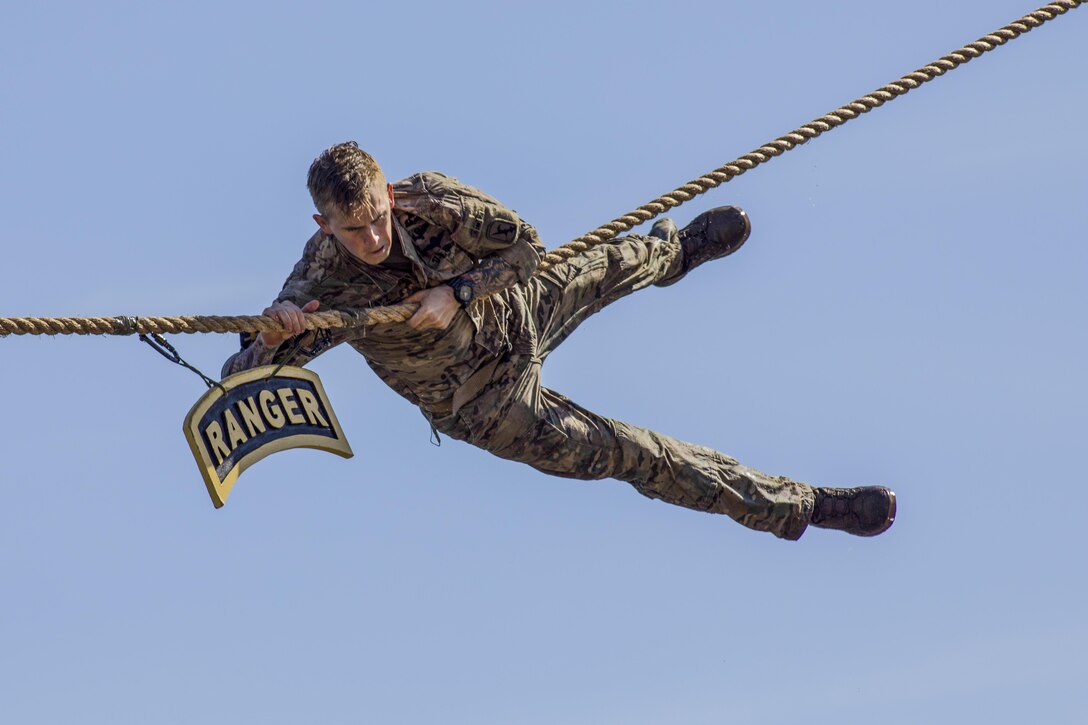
{"points": [[464, 292]]}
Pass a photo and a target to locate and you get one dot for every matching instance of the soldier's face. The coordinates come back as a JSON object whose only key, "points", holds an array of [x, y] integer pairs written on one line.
{"points": [[368, 232]]}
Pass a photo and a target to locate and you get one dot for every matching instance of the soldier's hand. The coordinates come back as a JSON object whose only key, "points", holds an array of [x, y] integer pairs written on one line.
{"points": [[289, 315], [437, 306]]}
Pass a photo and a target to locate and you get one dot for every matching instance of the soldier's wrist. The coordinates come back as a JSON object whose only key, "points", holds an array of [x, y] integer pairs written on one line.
{"points": [[463, 290], [263, 343]]}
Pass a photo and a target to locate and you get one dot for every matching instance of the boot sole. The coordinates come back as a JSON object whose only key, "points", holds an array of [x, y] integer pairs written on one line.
{"points": [[890, 520]]}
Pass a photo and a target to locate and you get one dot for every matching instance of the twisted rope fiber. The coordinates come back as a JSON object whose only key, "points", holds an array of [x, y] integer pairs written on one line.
{"points": [[809, 131], [600, 235], [196, 323]]}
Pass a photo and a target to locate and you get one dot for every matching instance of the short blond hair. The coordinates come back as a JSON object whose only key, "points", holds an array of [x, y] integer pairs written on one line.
{"points": [[341, 177]]}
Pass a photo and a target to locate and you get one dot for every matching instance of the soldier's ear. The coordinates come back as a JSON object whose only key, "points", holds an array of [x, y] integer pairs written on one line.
{"points": [[392, 202], [323, 223]]}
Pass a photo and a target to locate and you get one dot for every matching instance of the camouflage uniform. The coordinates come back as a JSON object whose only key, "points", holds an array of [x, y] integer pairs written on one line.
{"points": [[479, 379]]}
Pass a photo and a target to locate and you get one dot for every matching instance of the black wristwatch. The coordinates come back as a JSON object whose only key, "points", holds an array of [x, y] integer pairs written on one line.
{"points": [[463, 290]]}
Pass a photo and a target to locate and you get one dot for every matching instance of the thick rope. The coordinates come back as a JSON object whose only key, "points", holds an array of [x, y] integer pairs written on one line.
{"points": [[600, 235], [809, 131], [192, 324]]}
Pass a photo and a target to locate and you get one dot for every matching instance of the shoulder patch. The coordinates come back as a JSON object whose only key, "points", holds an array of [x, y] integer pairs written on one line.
{"points": [[500, 230]]}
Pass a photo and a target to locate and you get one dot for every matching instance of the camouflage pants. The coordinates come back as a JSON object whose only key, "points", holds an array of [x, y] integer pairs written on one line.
{"points": [[516, 418]]}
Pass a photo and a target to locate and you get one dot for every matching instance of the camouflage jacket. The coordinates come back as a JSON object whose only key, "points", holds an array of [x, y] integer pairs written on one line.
{"points": [[445, 229]]}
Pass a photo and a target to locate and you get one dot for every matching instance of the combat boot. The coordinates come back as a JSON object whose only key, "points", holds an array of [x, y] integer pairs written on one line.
{"points": [[711, 235], [864, 511], [665, 230]]}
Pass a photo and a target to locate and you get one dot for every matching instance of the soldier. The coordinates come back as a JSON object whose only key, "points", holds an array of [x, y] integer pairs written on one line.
{"points": [[470, 357]]}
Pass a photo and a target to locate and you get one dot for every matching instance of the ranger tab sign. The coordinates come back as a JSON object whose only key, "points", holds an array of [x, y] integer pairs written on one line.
{"points": [[254, 415]]}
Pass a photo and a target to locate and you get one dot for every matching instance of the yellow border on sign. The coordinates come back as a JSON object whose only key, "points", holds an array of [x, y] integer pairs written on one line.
{"points": [[219, 490]]}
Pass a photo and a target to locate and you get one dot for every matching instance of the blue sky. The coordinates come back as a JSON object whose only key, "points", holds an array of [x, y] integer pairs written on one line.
{"points": [[910, 310]]}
